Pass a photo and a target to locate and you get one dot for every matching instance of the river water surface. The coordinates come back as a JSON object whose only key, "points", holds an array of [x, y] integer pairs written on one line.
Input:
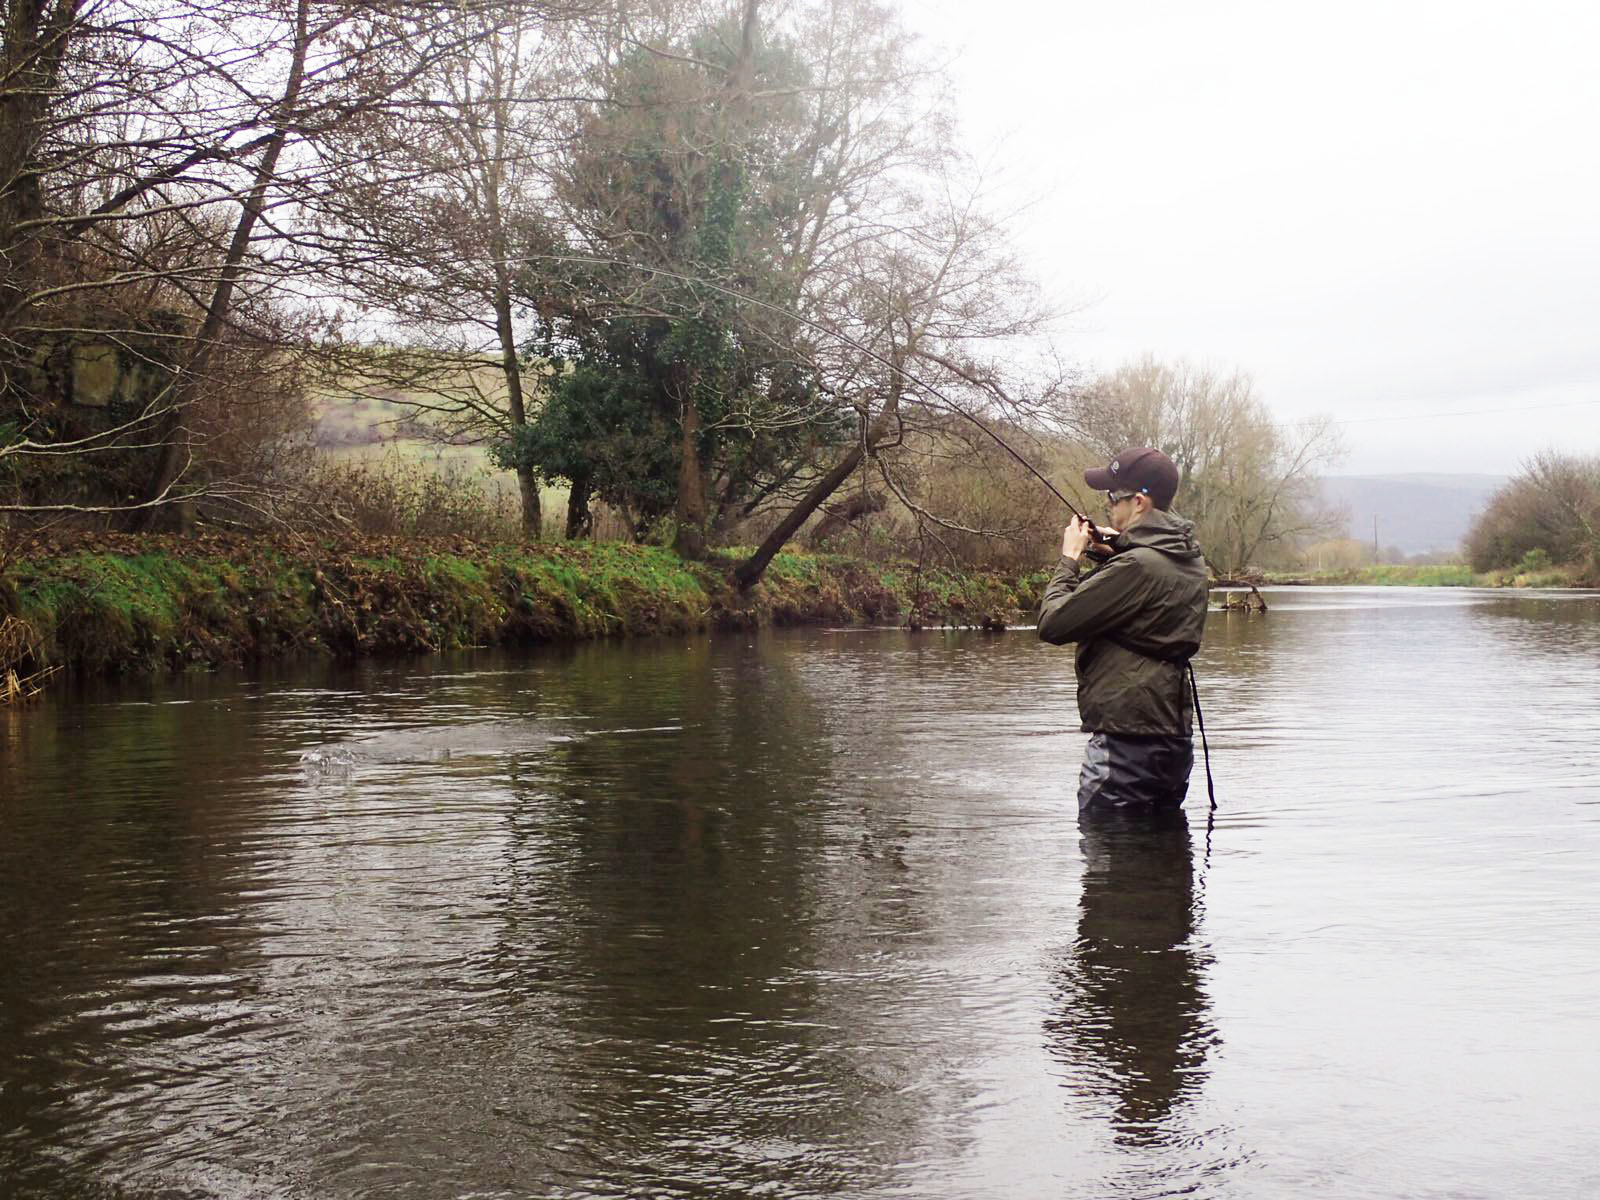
{"points": [[811, 914]]}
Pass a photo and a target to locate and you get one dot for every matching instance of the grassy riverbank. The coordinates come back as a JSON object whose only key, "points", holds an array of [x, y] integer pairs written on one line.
{"points": [[114, 604], [1436, 575]]}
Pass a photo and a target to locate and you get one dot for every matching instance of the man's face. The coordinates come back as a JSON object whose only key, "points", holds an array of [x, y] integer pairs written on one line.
{"points": [[1123, 508]]}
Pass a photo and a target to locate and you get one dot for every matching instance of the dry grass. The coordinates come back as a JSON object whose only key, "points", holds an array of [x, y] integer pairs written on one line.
{"points": [[398, 495], [18, 649]]}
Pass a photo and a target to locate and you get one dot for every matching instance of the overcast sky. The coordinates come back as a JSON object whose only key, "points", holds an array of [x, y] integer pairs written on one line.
{"points": [[1382, 211]]}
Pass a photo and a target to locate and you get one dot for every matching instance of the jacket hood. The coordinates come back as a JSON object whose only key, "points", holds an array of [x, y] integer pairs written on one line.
{"points": [[1163, 531]]}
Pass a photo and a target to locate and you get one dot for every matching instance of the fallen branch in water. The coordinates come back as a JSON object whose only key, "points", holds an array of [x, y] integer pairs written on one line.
{"points": [[1253, 602]]}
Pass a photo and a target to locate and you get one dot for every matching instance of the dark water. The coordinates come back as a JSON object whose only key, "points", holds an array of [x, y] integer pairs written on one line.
{"points": [[811, 915]]}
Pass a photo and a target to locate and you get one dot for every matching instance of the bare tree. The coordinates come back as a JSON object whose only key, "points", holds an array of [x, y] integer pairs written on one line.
{"points": [[932, 324], [160, 184], [171, 432], [1550, 508], [123, 127], [1249, 483], [441, 206]]}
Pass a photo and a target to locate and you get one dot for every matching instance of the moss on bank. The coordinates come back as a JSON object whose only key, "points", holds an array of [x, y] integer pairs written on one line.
{"points": [[126, 605]]}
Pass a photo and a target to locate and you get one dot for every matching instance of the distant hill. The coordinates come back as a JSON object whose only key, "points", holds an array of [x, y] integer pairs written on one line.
{"points": [[1416, 514]]}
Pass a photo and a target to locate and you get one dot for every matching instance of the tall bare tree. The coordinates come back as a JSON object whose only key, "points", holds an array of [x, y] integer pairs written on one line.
{"points": [[934, 324], [442, 205], [1249, 482], [124, 128]]}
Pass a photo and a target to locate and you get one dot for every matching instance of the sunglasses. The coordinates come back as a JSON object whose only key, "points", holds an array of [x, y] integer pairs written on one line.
{"points": [[1115, 498]]}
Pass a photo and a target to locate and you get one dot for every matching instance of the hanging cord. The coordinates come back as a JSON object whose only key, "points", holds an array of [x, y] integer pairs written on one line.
{"points": [[1211, 789], [1200, 720]]}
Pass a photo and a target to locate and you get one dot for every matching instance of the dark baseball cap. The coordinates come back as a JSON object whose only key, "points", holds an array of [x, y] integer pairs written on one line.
{"points": [[1137, 469]]}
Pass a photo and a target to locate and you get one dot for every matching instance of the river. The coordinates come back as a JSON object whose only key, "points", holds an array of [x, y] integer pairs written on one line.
{"points": [[809, 913]]}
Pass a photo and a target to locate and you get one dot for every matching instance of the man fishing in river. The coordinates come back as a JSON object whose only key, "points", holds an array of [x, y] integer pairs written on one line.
{"points": [[1137, 613]]}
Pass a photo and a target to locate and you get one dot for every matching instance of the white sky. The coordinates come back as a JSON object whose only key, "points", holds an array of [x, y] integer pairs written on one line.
{"points": [[1381, 211]]}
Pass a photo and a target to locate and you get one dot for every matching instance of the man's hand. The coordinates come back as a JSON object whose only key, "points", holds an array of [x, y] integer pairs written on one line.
{"points": [[1075, 538], [1101, 546]]}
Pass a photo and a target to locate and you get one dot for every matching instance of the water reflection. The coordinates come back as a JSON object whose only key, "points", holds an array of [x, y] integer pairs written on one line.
{"points": [[1133, 1025], [787, 915]]}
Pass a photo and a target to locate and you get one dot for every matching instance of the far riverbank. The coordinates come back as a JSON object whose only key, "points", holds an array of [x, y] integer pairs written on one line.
{"points": [[1429, 575], [118, 604], [106, 604]]}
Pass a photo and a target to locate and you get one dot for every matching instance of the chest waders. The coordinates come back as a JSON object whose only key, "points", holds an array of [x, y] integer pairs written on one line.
{"points": [[1185, 665]]}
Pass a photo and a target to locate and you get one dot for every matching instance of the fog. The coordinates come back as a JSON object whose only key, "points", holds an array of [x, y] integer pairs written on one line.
{"points": [[1381, 211]]}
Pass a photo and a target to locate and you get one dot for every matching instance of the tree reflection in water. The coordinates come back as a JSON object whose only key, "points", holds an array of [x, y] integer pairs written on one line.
{"points": [[1132, 1024]]}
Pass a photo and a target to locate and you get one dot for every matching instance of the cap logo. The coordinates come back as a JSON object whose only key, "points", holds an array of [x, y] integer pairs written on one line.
{"points": [[1115, 466]]}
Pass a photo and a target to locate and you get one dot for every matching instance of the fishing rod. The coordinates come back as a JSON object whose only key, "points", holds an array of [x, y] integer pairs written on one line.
{"points": [[1094, 530], [846, 339]]}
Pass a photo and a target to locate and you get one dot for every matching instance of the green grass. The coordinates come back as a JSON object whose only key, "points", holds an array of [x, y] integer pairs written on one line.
{"points": [[1435, 575], [108, 613]]}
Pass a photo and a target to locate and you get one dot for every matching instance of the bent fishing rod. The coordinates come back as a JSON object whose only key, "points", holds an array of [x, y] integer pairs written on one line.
{"points": [[846, 339]]}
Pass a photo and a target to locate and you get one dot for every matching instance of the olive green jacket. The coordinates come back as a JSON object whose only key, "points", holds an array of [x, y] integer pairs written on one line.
{"points": [[1130, 617]]}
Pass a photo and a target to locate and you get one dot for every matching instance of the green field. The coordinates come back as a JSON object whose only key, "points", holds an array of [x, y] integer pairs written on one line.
{"points": [[1433, 575], [358, 424]]}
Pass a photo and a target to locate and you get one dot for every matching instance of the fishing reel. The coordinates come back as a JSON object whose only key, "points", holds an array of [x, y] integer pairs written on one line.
{"points": [[1099, 546]]}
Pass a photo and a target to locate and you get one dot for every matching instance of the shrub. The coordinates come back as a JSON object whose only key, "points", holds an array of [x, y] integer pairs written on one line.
{"points": [[400, 496], [1548, 514]]}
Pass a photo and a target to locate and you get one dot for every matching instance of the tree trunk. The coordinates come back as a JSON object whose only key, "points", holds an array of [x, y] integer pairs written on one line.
{"points": [[690, 540], [527, 481], [505, 331], [716, 241], [580, 520], [174, 441], [752, 568], [532, 509], [34, 45]]}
